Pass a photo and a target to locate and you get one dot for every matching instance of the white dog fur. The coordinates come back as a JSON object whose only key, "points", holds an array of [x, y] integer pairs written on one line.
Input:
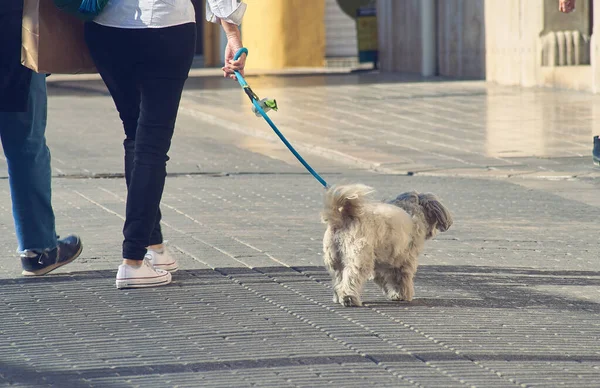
{"points": [[367, 239]]}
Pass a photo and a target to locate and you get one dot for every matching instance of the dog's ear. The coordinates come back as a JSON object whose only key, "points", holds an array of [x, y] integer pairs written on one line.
{"points": [[435, 212]]}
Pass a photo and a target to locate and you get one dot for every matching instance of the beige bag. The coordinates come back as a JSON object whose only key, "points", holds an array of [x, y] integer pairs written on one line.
{"points": [[53, 40]]}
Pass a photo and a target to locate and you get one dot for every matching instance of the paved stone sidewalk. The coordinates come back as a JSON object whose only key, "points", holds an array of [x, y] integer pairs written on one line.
{"points": [[399, 124], [507, 297]]}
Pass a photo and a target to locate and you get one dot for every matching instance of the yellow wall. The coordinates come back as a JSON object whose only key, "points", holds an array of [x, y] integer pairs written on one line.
{"points": [[284, 33]]}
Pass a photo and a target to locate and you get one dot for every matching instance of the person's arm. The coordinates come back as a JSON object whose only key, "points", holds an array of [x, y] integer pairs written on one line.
{"points": [[234, 43], [229, 13], [566, 6]]}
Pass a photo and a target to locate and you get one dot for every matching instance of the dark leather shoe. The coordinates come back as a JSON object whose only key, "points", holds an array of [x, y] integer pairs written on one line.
{"points": [[40, 263]]}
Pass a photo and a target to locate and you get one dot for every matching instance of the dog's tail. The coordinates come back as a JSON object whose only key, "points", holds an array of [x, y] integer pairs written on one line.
{"points": [[344, 201]]}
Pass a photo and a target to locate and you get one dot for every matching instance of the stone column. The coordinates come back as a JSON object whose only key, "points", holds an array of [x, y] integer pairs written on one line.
{"points": [[284, 33], [531, 43], [512, 30], [595, 47]]}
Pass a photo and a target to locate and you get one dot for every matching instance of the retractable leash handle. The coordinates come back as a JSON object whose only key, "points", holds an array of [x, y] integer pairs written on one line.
{"points": [[256, 102]]}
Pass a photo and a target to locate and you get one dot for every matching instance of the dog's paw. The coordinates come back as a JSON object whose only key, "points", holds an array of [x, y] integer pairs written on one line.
{"points": [[336, 298], [351, 301], [398, 297]]}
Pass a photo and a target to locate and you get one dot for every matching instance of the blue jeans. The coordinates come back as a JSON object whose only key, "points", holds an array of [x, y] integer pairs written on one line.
{"points": [[29, 173]]}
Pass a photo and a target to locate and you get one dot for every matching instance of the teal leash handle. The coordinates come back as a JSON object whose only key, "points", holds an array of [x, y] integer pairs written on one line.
{"points": [[237, 56], [255, 101]]}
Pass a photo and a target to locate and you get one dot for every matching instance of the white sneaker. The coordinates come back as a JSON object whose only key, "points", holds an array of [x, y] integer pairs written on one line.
{"points": [[162, 260], [143, 276]]}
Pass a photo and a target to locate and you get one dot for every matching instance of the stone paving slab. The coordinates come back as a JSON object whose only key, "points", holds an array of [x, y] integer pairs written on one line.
{"points": [[252, 302], [380, 122], [401, 125], [507, 297]]}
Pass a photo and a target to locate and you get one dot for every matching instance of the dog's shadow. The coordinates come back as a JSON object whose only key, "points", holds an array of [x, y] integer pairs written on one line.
{"points": [[496, 288]]}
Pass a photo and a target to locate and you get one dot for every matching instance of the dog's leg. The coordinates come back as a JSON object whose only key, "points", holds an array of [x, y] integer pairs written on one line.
{"points": [[335, 266], [351, 286], [407, 291], [337, 279], [401, 286], [356, 271], [381, 277], [333, 262], [395, 284]]}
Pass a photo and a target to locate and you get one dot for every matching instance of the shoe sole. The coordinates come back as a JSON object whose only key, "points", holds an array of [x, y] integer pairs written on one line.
{"points": [[52, 267], [172, 267], [132, 283]]}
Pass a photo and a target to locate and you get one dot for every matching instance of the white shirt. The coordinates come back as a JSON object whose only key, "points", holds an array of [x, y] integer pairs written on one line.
{"points": [[146, 13], [232, 11], [166, 13]]}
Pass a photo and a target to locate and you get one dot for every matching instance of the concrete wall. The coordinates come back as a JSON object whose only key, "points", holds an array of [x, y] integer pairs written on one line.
{"points": [[459, 29], [516, 32], [399, 35], [461, 38], [512, 30], [595, 48]]}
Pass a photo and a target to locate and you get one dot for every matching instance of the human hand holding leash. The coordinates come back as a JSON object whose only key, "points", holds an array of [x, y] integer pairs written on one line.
{"points": [[234, 44]]}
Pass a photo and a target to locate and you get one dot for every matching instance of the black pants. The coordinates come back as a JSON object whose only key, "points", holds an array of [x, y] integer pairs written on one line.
{"points": [[145, 71]]}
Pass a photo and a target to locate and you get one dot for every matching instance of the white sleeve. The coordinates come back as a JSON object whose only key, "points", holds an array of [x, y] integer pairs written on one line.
{"points": [[232, 11]]}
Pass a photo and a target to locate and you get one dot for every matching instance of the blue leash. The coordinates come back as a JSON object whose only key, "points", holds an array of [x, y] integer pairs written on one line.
{"points": [[255, 101]]}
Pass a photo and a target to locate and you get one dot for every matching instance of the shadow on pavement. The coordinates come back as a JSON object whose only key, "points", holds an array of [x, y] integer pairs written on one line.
{"points": [[465, 286], [14, 373]]}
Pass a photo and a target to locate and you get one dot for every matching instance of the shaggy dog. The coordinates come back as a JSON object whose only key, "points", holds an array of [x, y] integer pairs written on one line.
{"points": [[374, 240]]}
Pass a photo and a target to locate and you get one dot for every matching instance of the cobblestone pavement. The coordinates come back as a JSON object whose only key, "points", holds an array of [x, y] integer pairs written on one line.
{"points": [[507, 297]]}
